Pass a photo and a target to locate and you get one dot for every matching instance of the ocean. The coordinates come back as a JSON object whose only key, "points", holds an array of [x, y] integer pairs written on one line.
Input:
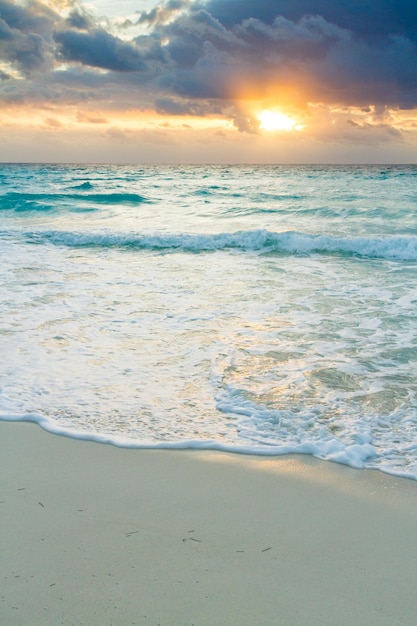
{"points": [[255, 309]]}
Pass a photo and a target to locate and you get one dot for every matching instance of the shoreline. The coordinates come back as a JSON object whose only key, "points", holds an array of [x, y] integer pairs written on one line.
{"points": [[97, 534], [304, 450]]}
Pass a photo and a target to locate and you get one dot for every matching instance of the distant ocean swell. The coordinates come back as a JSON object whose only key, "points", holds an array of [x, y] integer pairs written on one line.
{"points": [[400, 248], [45, 201]]}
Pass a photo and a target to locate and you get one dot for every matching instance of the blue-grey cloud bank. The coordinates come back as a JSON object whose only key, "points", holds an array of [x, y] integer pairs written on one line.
{"points": [[200, 55]]}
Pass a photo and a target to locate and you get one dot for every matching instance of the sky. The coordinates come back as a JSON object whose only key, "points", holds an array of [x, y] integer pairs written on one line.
{"points": [[208, 81]]}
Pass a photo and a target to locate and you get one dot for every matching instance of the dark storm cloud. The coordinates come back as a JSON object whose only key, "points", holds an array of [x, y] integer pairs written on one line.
{"points": [[370, 19], [356, 52], [79, 20], [99, 49], [161, 14], [353, 52], [5, 30], [36, 17], [189, 34], [223, 47], [26, 35]]}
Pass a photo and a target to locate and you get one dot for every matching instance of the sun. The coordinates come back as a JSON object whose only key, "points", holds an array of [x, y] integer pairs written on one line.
{"points": [[275, 120]]}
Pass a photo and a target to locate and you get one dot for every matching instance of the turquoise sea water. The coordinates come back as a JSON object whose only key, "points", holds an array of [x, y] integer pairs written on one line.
{"points": [[260, 309]]}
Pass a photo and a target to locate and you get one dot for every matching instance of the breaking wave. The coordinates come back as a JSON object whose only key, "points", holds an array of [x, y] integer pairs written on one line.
{"points": [[401, 248]]}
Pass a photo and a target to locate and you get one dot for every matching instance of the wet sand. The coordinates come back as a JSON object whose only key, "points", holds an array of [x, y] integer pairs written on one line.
{"points": [[95, 534]]}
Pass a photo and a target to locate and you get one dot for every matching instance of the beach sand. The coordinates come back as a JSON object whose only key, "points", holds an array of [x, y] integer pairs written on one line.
{"points": [[92, 534]]}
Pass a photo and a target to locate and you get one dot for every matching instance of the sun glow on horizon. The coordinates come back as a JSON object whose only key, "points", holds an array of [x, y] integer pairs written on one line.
{"points": [[275, 120]]}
